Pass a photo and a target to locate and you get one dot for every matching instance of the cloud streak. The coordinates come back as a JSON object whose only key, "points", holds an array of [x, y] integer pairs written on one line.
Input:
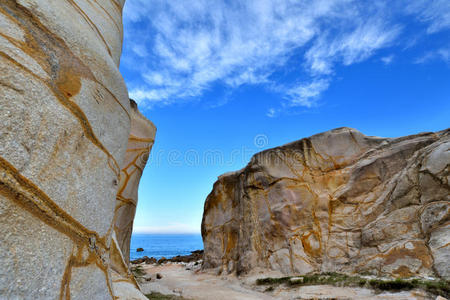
{"points": [[442, 54], [435, 14], [182, 48], [306, 94]]}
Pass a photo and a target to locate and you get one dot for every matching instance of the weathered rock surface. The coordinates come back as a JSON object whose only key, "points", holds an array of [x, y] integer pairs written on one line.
{"points": [[140, 142], [65, 125], [337, 201]]}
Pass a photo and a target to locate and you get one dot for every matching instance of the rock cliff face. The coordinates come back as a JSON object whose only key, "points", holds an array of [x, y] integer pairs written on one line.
{"points": [[140, 142], [337, 201], [65, 125]]}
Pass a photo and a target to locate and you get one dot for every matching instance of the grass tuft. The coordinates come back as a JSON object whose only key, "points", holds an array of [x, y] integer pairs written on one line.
{"points": [[159, 296], [269, 289], [137, 271], [270, 280], [392, 285]]}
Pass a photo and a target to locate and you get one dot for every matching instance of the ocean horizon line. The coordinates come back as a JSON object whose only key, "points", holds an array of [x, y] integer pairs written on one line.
{"points": [[168, 233]]}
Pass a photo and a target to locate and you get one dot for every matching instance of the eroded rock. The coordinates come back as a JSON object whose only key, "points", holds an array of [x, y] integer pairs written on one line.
{"points": [[338, 201], [65, 130], [140, 142]]}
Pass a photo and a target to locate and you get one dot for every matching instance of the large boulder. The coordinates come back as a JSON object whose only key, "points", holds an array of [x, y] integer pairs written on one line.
{"points": [[65, 125], [337, 201]]}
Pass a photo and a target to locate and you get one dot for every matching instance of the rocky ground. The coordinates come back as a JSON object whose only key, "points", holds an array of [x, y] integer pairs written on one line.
{"points": [[193, 257], [188, 281]]}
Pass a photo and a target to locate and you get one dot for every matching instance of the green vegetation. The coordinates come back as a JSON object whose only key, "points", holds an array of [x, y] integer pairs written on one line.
{"points": [[158, 296], [270, 280], [436, 287], [269, 289], [137, 271]]}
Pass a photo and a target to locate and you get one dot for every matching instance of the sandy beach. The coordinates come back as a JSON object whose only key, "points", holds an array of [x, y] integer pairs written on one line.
{"points": [[190, 282]]}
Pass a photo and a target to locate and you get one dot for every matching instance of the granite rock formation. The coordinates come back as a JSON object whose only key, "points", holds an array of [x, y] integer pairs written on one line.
{"points": [[337, 201], [65, 125], [140, 142]]}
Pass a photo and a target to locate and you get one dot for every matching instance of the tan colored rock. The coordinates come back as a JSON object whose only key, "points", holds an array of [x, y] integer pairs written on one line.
{"points": [[337, 201], [140, 142], [65, 123]]}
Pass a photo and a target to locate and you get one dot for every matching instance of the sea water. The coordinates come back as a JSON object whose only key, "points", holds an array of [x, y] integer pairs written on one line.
{"points": [[167, 245]]}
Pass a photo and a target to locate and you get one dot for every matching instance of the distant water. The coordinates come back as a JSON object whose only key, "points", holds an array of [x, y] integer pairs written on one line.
{"points": [[167, 245]]}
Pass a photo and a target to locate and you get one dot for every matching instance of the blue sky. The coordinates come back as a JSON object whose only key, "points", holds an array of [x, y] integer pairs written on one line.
{"points": [[225, 79]]}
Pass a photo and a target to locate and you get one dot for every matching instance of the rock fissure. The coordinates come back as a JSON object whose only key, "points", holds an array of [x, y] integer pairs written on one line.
{"points": [[75, 110], [20, 190]]}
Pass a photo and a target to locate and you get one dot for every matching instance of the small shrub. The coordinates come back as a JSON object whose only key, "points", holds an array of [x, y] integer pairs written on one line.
{"points": [[391, 285], [137, 271], [269, 289], [439, 287], [270, 280], [362, 282], [159, 296]]}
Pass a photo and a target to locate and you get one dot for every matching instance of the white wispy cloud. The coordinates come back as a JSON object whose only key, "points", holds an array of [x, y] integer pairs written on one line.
{"points": [[387, 60], [271, 112], [439, 54], [140, 50], [181, 48], [350, 47], [435, 13], [306, 94]]}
